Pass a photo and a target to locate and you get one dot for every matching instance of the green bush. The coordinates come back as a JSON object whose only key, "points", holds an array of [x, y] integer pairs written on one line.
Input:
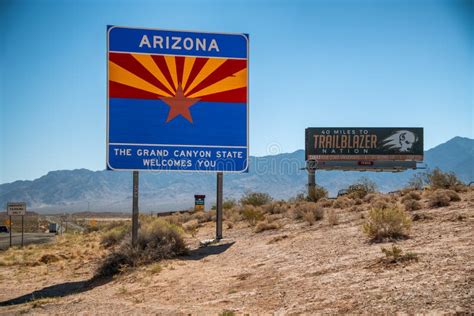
{"points": [[387, 223], [255, 198]]}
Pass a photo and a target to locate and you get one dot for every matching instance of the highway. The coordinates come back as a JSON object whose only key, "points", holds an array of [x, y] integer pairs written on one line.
{"points": [[29, 238]]}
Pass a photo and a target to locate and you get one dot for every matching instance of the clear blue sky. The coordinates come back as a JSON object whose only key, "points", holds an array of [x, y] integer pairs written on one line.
{"points": [[313, 63]]}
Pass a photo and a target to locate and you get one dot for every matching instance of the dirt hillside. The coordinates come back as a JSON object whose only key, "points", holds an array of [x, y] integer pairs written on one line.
{"points": [[295, 269]]}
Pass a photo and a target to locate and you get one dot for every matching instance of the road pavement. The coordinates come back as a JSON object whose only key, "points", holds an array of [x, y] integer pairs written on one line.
{"points": [[29, 238]]}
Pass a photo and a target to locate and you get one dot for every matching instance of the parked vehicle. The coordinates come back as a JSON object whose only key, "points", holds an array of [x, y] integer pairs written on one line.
{"points": [[4, 229], [53, 228]]}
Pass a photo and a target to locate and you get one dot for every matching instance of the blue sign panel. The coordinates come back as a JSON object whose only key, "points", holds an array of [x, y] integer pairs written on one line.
{"points": [[177, 101]]}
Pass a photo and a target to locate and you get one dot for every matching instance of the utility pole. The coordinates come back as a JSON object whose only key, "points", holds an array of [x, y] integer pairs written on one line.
{"points": [[220, 184], [135, 209]]}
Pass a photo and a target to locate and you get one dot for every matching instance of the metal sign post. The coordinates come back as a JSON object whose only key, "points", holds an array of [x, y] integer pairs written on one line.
{"points": [[135, 209], [10, 230], [16, 209], [220, 184], [22, 229]]}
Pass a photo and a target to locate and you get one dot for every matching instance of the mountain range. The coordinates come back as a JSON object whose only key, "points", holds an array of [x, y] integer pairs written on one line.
{"points": [[279, 175]]}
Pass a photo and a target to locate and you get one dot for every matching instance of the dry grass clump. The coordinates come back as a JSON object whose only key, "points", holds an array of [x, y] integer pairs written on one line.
{"points": [[204, 217], [191, 226], [279, 207], [396, 255], [360, 189], [265, 225], [370, 197], [412, 205], [157, 240], [342, 202], [440, 198], [332, 217], [325, 202], [309, 212], [438, 179], [356, 209], [412, 195], [316, 193], [115, 234], [387, 223], [252, 214], [233, 214], [255, 198]]}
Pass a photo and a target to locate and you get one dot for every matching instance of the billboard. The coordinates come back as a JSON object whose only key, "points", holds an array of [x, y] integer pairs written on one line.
{"points": [[362, 144], [176, 100]]}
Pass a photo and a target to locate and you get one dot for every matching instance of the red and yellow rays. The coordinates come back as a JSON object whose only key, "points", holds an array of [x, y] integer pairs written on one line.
{"points": [[141, 76]]}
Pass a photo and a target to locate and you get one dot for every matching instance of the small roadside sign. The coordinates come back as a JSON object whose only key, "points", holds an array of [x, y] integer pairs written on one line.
{"points": [[16, 209]]}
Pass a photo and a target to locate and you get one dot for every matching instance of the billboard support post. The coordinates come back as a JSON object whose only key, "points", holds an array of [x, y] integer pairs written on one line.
{"points": [[135, 209], [220, 178], [10, 231], [311, 178]]}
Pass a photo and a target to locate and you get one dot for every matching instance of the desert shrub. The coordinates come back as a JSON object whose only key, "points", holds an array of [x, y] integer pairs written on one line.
{"points": [[228, 204], [412, 205], [252, 214], [203, 216], [411, 195], [191, 227], [308, 211], [255, 198], [391, 223], [440, 198], [332, 217], [342, 202], [438, 179], [395, 254], [278, 207], [233, 214], [369, 197], [156, 240], [356, 209], [453, 196], [115, 235], [417, 181], [316, 193], [265, 225], [300, 197], [382, 202], [360, 189], [325, 202]]}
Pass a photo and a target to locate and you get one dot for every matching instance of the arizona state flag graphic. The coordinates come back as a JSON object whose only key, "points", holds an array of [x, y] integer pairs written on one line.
{"points": [[177, 100]]}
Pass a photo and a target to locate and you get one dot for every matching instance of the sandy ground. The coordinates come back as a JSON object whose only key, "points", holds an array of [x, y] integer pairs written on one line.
{"points": [[297, 269]]}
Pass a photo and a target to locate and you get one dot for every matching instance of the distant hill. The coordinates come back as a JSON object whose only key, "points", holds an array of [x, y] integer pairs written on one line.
{"points": [[279, 175]]}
